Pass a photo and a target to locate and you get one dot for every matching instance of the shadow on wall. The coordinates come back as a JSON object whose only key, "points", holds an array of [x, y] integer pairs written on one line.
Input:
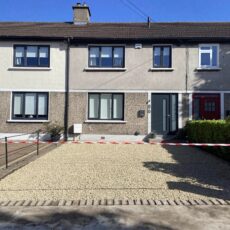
{"points": [[215, 79], [62, 219], [196, 171]]}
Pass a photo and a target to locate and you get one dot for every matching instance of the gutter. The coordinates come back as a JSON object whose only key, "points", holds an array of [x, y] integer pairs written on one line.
{"points": [[66, 113]]}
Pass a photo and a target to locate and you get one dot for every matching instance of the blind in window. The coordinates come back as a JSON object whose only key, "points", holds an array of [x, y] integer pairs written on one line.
{"points": [[30, 102], [42, 104], [17, 104], [31, 51]]}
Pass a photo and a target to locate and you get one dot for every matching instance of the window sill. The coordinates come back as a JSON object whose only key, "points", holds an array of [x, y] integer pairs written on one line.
{"points": [[161, 69], [28, 121], [88, 69], [106, 121], [30, 68], [208, 69]]}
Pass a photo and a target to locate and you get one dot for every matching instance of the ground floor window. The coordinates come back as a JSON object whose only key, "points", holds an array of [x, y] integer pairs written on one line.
{"points": [[106, 106], [30, 106], [206, 106]]}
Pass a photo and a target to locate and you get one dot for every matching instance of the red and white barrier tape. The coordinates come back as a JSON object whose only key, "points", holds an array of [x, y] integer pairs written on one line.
{"points": [[118, 142]]}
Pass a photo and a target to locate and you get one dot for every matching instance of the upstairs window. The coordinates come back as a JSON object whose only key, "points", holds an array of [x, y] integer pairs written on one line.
{"points": [[106, 57], [31, 56], [30, 106], [162, 57], [209, 56]]}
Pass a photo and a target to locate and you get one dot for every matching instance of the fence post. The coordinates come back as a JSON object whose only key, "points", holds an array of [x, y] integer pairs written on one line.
{"points": [[6, 152], [38, 143]]}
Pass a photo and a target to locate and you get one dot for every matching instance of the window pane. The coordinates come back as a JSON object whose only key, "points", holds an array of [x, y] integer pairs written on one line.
{"points": [[214, 56], [42, 105], [166, 57], [30, 102], [118, 57], [106, 57], [106, 106], [44, 56], [157, 57], [93, 106], [31, 54], [94, 59], [117, 106], [19, 56], [18, 100], [205, 59]]}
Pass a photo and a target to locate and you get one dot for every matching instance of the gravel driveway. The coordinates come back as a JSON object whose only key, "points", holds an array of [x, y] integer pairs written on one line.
{"points": [[96, 171]]}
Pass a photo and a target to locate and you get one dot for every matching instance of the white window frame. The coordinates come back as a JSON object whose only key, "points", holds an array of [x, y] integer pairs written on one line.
{"points": [[210, 52]]}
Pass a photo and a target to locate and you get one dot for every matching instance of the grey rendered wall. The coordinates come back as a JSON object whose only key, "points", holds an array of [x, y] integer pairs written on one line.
{"points": [[137, 76], [209, 80]]}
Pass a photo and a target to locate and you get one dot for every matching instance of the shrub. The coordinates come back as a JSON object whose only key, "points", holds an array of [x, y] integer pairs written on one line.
{"points": [[55, 130], [210, 131]]}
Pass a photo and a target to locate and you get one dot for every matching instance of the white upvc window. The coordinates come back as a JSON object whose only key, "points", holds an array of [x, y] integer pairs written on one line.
{"points": [[209, 56]]}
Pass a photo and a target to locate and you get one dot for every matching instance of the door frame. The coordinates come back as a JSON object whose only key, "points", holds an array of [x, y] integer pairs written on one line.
{"points": [[170, 101]]}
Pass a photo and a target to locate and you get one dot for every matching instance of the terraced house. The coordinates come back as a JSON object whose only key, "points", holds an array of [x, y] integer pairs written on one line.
{"points": [[113, 78]]}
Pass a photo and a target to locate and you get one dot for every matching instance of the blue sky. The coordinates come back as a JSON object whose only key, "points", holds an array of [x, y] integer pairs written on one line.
{"points": [[116, 11]]}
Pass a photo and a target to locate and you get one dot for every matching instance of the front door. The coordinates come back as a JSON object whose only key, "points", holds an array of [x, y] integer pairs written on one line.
{"points": [[164, 113], [206, 106]]}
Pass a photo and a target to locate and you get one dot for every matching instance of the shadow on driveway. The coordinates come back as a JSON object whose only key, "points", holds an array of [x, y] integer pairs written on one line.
{"points": [[197, 172]]}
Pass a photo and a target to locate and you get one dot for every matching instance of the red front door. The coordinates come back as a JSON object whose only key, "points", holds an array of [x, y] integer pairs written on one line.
{"points": [[206, 106]]}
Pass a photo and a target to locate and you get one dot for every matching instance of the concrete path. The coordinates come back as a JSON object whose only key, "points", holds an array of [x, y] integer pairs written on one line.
{"points": [[95, 171], [100, 218]]}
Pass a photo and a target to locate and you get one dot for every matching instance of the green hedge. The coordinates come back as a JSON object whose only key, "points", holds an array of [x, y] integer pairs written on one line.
{"points": [[210, 131]]}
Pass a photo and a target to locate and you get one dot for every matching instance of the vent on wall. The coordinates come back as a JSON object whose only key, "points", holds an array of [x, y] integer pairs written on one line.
{"points": [[138, 46]]}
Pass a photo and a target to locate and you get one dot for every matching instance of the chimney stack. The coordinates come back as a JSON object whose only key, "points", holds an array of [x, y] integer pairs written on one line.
{"points": [[81, 14]]}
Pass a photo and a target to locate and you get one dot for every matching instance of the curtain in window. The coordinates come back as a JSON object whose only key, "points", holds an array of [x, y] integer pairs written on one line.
{"points": [[106, 57], [30, 103], [31, 54], [117, 106], [106, 106], [42, 105], [93, 106], [19, 56], [18, 104], [94, 57], [118, 57]]}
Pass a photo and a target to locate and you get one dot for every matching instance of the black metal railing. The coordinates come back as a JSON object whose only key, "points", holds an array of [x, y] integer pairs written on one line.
{"points": [[5, 147]]}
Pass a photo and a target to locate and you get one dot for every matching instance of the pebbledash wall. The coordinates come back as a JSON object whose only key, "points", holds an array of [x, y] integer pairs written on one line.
{"points": [[133, 102], [50, 80]]}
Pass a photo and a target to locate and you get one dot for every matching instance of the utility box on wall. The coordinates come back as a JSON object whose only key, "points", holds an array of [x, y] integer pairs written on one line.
{"points": [[77, 128]]}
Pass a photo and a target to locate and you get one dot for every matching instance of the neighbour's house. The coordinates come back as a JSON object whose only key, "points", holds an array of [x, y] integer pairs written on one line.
{"points": [[113, 78]]}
